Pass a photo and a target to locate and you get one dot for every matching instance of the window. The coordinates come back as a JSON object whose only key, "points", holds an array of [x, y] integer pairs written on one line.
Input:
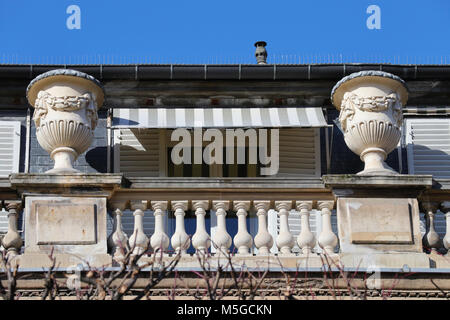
{"points": [[146, 153], [9, 147], [428, 146]]}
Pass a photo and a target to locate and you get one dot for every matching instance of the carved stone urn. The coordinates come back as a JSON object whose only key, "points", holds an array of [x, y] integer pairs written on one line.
{"points": [[371, 116], [66, 103]]}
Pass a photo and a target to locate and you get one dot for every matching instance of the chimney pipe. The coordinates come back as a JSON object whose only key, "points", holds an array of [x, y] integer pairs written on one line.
{"points": [[260, 52]]}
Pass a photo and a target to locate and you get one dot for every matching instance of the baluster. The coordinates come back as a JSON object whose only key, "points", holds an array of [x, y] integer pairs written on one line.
{"points": [[306, 239], [285, 240], [201, 240], [431, 238], [12, 241], [221, 239], [159, 240], [327, 239], [138, 241], [263, 239], [242, 240], [445, 208], [118, 240], [180, 239]]}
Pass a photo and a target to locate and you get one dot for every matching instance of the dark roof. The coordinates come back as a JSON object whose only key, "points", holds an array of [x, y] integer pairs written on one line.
{"points": [[231, 71]]}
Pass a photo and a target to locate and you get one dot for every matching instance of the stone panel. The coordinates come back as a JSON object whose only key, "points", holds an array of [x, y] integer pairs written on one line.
{"points": [[390, 223], [68, 225], [65, 223], [371, 225]]}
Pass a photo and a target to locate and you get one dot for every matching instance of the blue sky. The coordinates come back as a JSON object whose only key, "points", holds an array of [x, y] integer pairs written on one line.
{"points": [[213, 31]]}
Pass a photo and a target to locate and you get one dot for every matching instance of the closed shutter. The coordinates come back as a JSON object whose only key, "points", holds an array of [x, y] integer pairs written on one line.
{"points": [[3, 221], [439, 224], [428, 146], [334, 227], [299, 153], [128, 223], [213, 228], [294, 227], [137, 152], [9, 147]]}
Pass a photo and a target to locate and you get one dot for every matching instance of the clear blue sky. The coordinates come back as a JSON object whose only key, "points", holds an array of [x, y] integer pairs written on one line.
{"points": [[217, 31]]}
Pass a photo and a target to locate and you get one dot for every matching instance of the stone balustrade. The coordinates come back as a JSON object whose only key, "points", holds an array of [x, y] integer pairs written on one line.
{"points": [[258, 243], [244, 243]]}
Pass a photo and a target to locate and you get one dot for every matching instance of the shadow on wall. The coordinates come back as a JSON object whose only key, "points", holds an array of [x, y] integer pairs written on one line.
{"points": [[427, 159], [96, 158]]}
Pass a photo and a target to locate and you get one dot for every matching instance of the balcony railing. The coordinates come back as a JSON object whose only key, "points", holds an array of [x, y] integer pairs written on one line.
{"points": [[230, 197]]}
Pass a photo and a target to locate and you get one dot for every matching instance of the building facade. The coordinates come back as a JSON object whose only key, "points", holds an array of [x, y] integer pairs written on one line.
{"points": [[90, 162]]}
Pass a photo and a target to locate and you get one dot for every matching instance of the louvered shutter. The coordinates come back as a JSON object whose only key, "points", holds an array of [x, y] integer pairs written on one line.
{"points": [[294, 226], [231, 225], [272, 226], [128, 223], [299, 153], [428, 146], [137, 152], [9, 147], [439, 224], [3, 221], [213, 228]]}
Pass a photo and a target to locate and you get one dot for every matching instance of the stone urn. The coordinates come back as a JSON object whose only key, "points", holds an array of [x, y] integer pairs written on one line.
{"points": [[371, 116], [66, 103]]}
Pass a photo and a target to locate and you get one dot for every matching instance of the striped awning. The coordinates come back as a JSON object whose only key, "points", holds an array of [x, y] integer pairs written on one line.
{"points": [[426, 110], [218, 117]]}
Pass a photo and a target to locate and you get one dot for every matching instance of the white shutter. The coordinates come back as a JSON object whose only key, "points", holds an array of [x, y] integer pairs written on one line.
{"points": [[439, 224], [252, 227], [299, 152], [3, 221], [213, 227], [109, 224], [272, 226], [128, 223], [9, 147], [428, 146], [334, 227], [139, 152], [294, 227], [149, 222]]}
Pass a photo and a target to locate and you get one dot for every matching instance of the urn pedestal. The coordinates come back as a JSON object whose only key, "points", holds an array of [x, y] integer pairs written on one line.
{"points": [[65, 210], [371, 116], [377, 208]]}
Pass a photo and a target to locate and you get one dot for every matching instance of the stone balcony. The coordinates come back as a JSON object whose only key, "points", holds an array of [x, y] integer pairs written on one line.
{"points": [[376, 212], [83, 201]]}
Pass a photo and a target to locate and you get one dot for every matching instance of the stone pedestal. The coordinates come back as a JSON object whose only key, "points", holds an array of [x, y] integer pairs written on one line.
{"points": [[65, 215], [378, 219]]}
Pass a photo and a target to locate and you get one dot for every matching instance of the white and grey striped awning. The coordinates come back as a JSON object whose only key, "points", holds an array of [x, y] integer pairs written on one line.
{"points": [[218, 117], [426, 110]]}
